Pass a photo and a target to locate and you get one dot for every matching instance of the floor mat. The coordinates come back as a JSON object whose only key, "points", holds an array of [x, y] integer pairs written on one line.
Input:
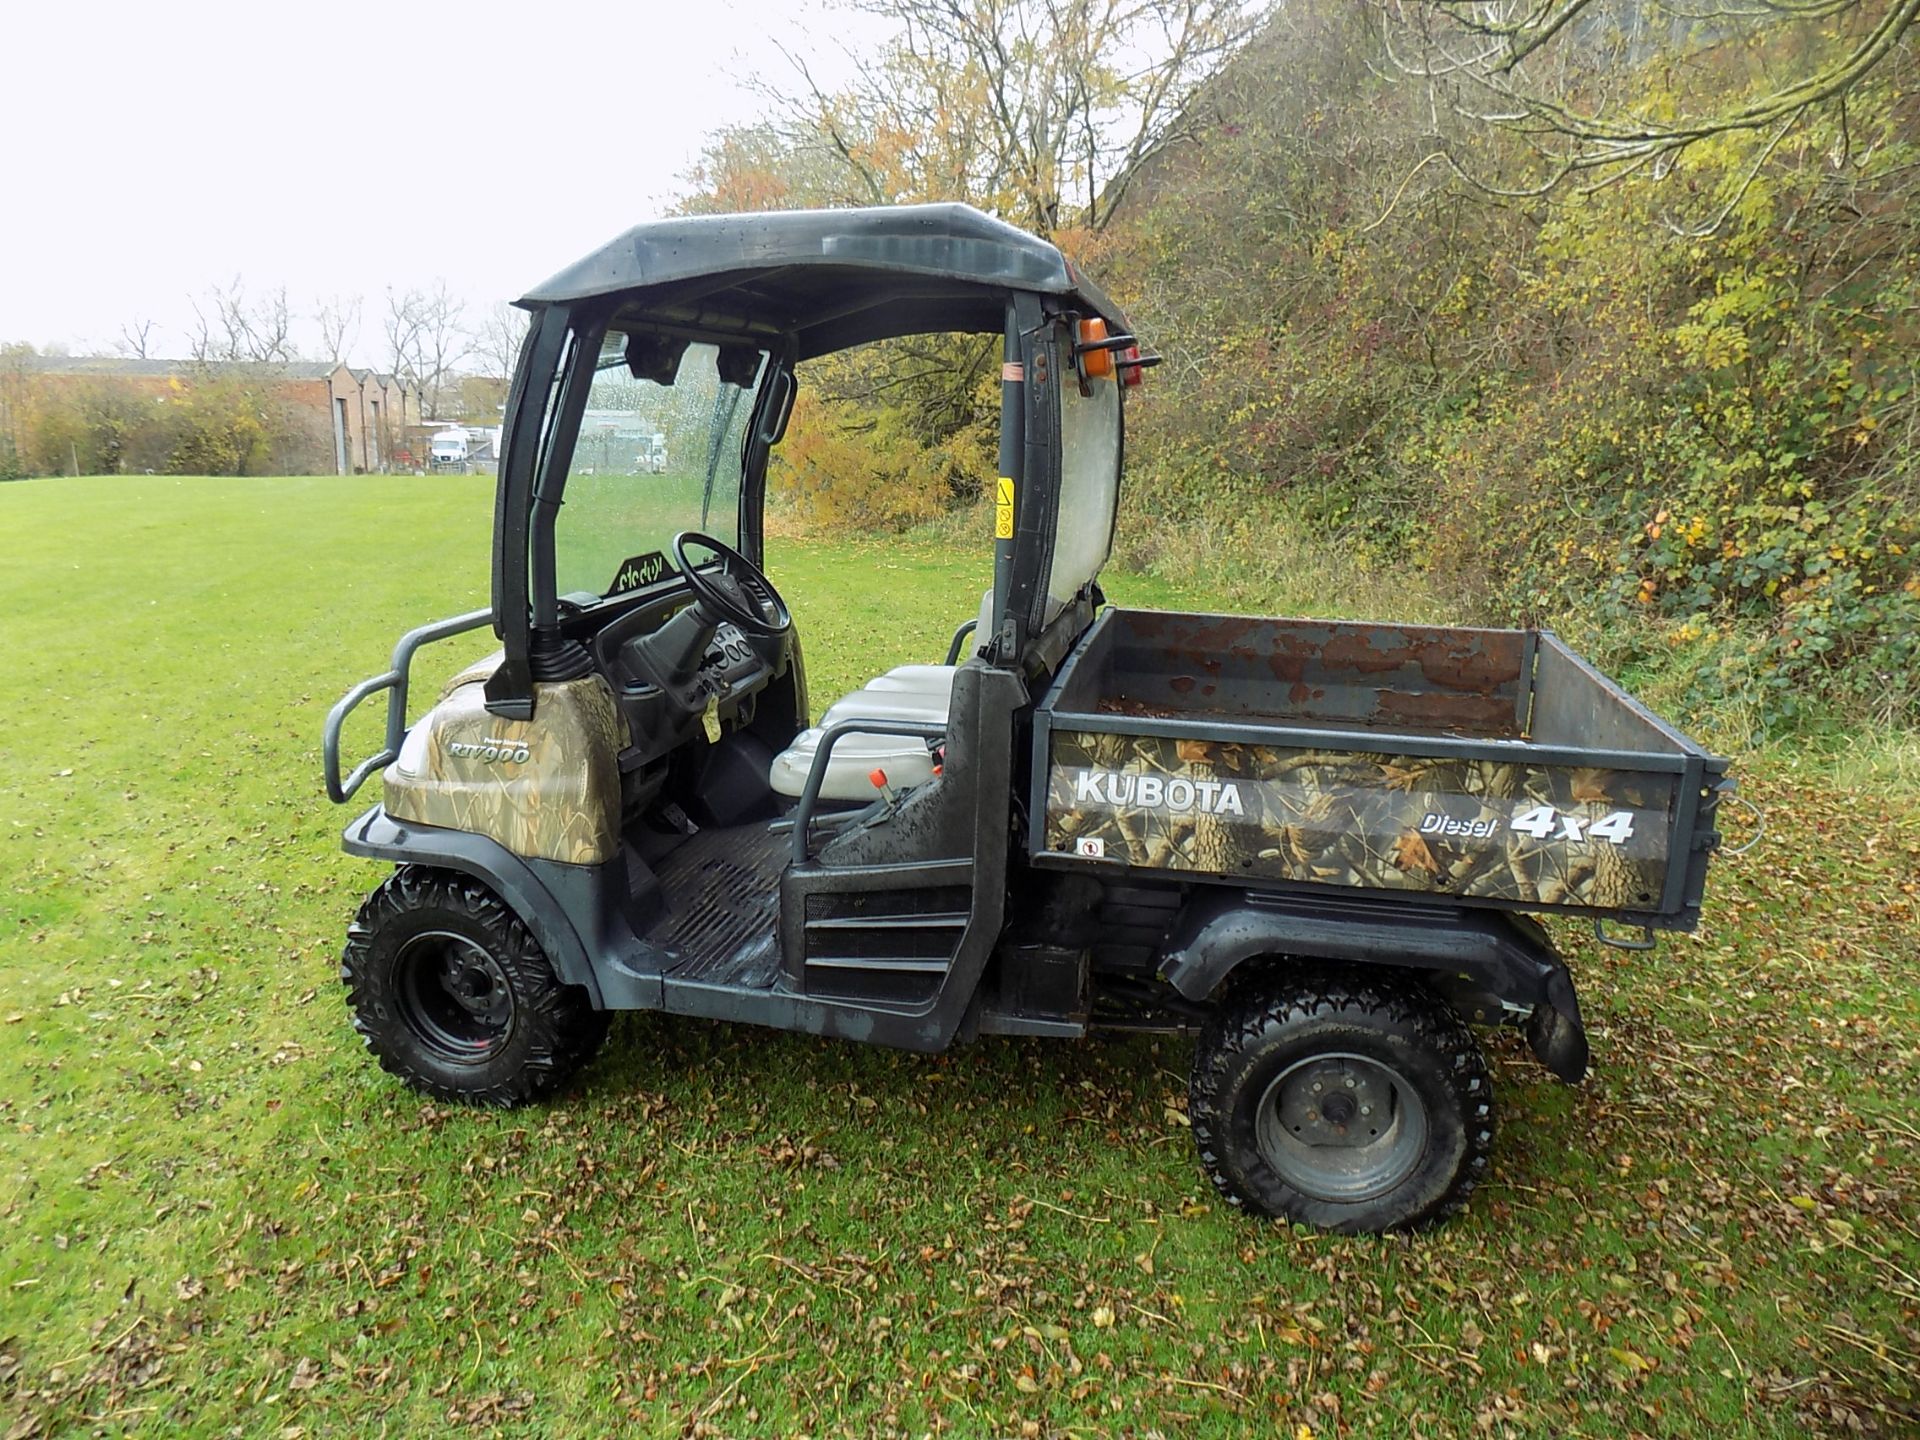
{"points": [[723, 889]]}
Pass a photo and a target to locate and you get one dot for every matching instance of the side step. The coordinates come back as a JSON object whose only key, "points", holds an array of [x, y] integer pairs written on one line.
{"points": [[877, 946], [954, 920], [879, 964]]}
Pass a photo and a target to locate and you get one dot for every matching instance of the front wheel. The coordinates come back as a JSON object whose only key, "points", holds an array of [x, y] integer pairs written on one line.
{"points": [[1351, 1103], [452, 994]]}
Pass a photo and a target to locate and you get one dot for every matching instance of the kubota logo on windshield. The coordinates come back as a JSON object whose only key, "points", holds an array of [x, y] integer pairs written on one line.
{"points": [[1157, 792]]}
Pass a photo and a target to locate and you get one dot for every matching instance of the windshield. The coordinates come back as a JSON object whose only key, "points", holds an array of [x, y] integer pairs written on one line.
{"points": [[655, 456], [1089, 480]]}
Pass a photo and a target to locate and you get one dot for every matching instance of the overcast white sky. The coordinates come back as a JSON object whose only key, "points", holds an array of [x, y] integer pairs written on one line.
{"points": [[344, 147]]}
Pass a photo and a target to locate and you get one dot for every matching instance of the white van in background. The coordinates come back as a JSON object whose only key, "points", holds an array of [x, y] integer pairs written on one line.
{"points": [[450, 450]]}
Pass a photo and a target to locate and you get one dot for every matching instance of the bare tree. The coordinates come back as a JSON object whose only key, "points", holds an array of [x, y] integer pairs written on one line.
{"points": [[1552, 73], [256, 329], [1042, 110], [231, 325], [427, 340], [338, 317], [201, 344], [401, 327], [136, 338], [768, 165], [497, 344], [445, 342]]}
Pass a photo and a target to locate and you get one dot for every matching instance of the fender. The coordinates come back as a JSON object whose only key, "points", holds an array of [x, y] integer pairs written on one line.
{"points": [[1491, 964], [543, 893]]}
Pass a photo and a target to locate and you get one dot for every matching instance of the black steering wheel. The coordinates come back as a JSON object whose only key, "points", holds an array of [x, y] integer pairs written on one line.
{"points": [[738, 591]]}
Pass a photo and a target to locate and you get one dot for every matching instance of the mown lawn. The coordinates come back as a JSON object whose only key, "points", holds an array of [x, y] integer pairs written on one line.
{"points": [[218, 1217]]}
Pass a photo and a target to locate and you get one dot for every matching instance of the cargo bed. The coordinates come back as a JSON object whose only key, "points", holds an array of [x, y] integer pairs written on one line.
{"points": [[1490, 767]]}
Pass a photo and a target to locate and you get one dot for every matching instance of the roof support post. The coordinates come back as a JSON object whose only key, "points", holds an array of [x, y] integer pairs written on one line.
{"points": [[510, 690], [1007, 484], [1017, 520]]}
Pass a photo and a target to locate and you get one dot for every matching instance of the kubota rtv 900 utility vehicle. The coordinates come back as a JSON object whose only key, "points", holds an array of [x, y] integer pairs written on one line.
{"points": [[1312, 844]]}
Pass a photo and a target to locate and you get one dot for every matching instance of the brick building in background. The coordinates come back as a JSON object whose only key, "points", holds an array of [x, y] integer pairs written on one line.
{"points": [[323, 419]]}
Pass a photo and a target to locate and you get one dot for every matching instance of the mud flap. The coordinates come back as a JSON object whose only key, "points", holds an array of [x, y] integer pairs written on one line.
{"points": [[1554, 1031]]}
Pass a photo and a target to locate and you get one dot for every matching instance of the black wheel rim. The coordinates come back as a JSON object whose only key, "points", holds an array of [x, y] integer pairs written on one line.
{"points": [[453, 996], [1342, 1128]]}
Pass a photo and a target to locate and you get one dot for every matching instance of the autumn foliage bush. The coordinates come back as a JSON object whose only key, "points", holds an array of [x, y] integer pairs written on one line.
{"points": [[890, 435], [841, 470], [199, 423]]}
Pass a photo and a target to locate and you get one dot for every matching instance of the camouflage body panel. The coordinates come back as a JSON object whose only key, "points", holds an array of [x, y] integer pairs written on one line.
{"points": [[1535, 834], [481, 669], [546, 788]]}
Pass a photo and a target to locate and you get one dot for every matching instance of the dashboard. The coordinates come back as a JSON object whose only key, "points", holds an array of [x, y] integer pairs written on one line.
{"points": [[665, 712], [728, 654]]}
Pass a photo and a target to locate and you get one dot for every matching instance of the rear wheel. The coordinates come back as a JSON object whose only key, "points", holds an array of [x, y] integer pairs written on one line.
{"points": [[1352, 1103], [452, 994]]}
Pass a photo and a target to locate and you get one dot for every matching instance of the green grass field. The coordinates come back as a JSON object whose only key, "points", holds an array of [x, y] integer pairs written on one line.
{"points": [[218, 1217]]}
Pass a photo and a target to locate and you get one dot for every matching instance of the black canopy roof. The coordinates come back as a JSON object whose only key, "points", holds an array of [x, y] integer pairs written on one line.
{"points": [[829, 278]]}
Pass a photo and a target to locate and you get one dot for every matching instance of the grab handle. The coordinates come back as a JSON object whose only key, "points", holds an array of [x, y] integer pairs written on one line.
{"points": [[394, 682], [817, 774]]}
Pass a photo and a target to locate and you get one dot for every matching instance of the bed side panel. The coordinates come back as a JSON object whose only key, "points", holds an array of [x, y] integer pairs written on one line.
{"points": [[1528, 833]]}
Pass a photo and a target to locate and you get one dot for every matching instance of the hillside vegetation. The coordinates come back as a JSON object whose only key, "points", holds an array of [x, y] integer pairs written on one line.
{"points": [[1692, 445]]}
